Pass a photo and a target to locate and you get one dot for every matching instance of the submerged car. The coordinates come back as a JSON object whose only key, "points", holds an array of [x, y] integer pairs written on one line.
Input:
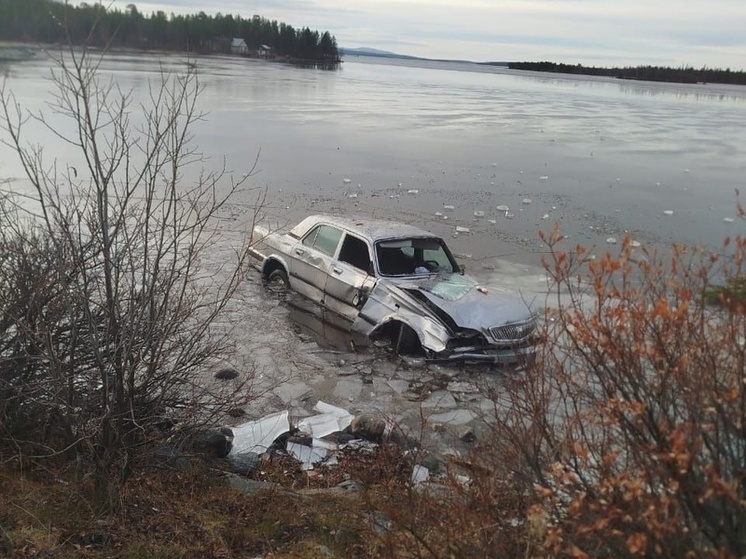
{"points": [[396, 282]]}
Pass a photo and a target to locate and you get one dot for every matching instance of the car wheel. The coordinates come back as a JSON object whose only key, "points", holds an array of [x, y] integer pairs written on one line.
{"points": [[278, 282], [406, 341]]}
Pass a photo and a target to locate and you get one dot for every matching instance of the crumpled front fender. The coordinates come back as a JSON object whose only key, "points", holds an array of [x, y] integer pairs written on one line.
{"points": [[385, 305]]}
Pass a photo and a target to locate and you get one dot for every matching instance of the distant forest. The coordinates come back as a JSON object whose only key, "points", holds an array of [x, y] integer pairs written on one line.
{"points": [[648, 73], [50, 21]]}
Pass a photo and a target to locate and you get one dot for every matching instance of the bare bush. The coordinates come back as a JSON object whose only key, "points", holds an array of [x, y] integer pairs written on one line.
{"points": [[108, 312]]}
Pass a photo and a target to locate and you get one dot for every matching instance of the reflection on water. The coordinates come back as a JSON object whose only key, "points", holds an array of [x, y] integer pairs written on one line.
{"points": [[599, 156], [312, 321]]}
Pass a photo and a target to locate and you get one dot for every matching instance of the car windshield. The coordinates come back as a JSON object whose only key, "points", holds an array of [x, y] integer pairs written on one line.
{"points": [[415, 256]]}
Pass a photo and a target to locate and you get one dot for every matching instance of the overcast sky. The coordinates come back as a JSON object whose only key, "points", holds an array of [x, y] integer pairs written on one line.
{"points": [[602, 32]]}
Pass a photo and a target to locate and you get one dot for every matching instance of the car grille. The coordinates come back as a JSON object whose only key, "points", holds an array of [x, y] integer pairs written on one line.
{"points": [[515, 332]]}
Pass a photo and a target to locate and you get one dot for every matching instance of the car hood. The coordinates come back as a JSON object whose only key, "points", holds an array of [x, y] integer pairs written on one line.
{"points": [[467, 303]]}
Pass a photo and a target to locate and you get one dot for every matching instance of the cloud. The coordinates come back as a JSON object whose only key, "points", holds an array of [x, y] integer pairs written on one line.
{"points": [[585, 31]]}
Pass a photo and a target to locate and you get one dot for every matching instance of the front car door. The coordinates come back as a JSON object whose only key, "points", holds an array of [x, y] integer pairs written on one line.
{"points": [[350, 279]]}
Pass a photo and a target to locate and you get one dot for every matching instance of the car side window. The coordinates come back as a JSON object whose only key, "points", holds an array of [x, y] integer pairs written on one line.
{"points": [[355, 252], [323, 238]]}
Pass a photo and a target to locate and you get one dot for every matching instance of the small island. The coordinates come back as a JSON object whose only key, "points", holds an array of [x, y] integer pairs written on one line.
{"points": [[683, 74], [99, 25]]}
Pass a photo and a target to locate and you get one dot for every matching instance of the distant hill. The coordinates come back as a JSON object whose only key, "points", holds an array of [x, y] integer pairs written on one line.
{"points": [[367, 51]]}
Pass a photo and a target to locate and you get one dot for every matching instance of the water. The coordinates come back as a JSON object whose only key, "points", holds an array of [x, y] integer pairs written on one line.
{"points": [[596, 155], [461, 135]]}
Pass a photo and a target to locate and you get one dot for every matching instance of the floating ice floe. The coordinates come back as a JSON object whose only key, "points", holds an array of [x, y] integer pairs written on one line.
{"points": [[687, 171], [667, 212], [635, 244], [478, 214], [413, 191], [460, 229], [545, 216], [728, 219], [526, 201], [346, 181], [449, 207], [398, 184], [509, 215], [611, 241], [544, 178], [493, 221], [502, 208], [439, 214], [353, 195]]}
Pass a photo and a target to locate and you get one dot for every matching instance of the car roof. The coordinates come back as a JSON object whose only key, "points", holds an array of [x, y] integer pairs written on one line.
{"points": [[372, 229]]}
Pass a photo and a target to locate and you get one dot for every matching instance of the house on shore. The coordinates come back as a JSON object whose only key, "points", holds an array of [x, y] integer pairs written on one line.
{"points": [[239, 46], [264, 51]]}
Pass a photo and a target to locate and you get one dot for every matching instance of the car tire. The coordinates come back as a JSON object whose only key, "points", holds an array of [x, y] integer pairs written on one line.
{"points": [[278, 282], [406, 342]]}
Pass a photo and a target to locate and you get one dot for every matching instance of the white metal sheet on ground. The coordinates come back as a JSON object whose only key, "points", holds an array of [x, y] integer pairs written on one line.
{"points": [[257, 436], [331, 420]]}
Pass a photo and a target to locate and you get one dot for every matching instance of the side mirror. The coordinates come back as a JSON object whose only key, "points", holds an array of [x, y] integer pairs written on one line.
{"points": [[462, 269]]}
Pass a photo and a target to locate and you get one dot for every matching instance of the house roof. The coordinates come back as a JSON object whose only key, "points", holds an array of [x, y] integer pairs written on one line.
{"points": [[237, 42], [265, 47]]}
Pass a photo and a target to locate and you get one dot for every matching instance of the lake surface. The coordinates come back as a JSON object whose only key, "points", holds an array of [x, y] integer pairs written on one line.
{"points": [[401, 140]]}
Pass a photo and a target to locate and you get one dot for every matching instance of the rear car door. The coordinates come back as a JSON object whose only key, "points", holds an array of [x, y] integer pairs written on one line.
{"points": [[350, 279], [311, 261]]}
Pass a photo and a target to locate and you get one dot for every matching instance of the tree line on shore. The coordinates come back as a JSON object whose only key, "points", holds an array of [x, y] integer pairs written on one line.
{"points": [[684, 74], [50, 21]]}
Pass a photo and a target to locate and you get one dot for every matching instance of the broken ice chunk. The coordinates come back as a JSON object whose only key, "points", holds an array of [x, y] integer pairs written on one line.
{"points": [[667, 212], [635, 244], [412, 191], [611, 241], [728, 219], [419, 474], [502, 208], [543, 178], [545, 216], [478, 214], [460, 229], [526, 201], [346, 181], [449, 207]]}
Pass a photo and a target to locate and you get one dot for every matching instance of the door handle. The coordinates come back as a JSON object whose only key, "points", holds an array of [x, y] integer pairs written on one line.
{"points": [[337, 270], [299, 252]]}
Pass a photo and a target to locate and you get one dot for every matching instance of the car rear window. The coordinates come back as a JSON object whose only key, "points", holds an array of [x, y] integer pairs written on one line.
{"points": [[324, 238]]}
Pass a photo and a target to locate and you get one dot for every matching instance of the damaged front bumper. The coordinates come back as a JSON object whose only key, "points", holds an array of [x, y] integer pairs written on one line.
{"points": [[497, 356]]}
